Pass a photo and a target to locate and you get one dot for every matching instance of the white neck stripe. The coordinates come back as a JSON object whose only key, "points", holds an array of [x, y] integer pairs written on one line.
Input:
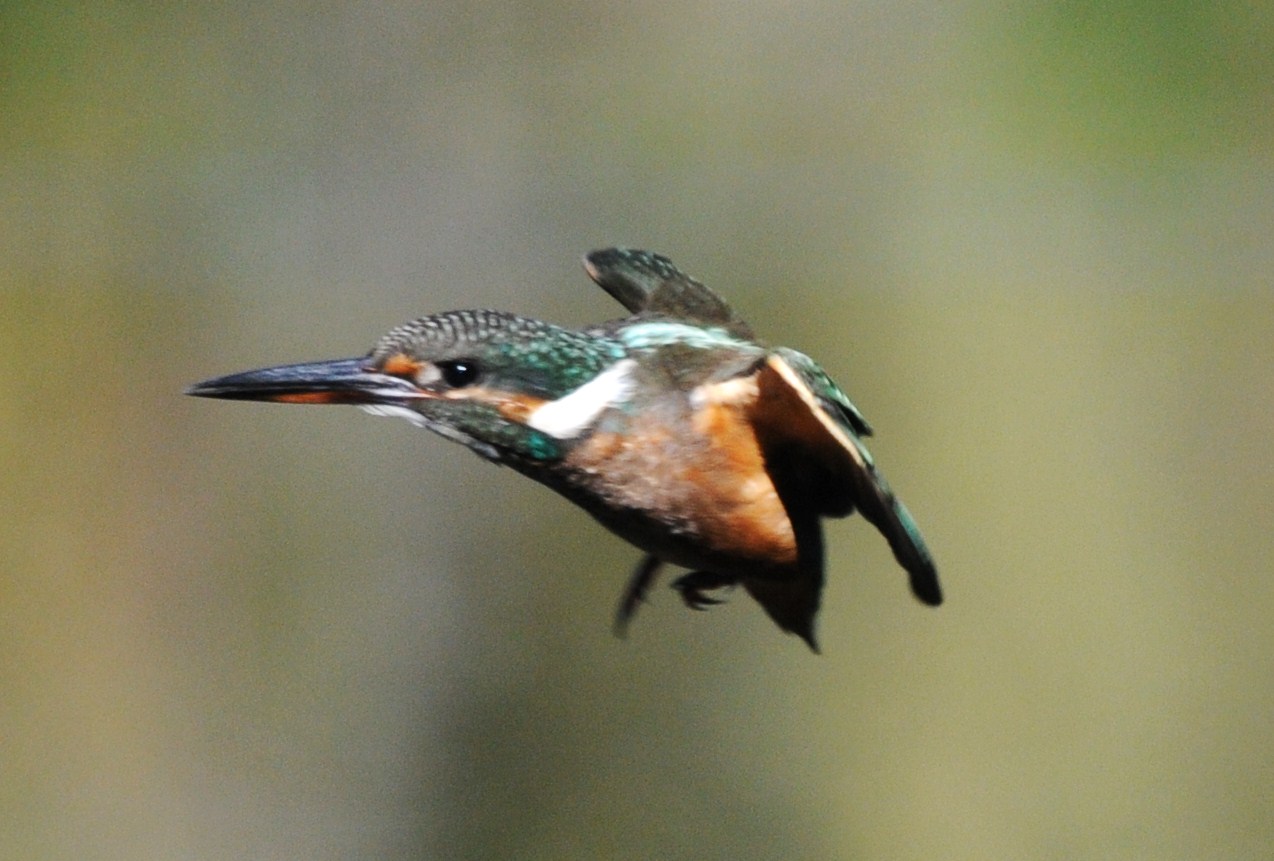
{"points": [[576, 411]]}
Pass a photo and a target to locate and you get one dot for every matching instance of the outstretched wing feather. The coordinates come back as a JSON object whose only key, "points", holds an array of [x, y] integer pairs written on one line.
{"points": [[648, 283], [802, 414]]}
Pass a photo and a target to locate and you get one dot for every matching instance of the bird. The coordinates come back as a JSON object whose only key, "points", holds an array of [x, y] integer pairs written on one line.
{"points": [[673, 427]]}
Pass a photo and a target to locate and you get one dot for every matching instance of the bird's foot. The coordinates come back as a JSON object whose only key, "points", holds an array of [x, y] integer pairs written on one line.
{"points": [[693, 585], [635, 592]]}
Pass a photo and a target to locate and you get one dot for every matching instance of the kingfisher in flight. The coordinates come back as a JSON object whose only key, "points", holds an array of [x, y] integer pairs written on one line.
{"points": [[673, 427]]}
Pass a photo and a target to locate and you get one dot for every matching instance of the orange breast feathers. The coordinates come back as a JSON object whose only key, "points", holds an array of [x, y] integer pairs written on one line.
{"points": [[702, 470], [741, 512]]}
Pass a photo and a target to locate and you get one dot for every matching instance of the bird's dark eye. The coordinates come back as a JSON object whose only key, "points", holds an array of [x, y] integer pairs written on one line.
{"points": [[460, 373]]}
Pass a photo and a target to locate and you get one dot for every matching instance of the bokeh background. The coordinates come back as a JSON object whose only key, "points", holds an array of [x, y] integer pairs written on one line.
{"points": [[1033, 241]]}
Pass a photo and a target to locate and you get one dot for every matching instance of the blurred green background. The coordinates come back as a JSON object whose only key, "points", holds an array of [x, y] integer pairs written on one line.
{"points": [[1033, 241]]}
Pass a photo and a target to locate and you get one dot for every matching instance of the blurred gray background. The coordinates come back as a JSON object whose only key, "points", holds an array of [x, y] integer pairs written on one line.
{"points": [[1033, 241]]}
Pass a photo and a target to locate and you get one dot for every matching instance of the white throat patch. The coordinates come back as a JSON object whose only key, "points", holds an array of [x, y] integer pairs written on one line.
{"points": [[396, 411], [574, 412]]}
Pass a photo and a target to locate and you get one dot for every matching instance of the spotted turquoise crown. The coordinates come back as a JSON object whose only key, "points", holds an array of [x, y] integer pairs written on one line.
{"points": [[673, 427]]}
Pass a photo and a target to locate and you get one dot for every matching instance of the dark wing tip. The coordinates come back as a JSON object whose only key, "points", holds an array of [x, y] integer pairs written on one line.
{"points": [[630, 276], [909, 547], [925, 586]]}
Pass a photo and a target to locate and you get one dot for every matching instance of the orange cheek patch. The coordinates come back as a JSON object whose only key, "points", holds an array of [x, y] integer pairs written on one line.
{"points": [[517, 408], [400, 365], [512, 406]]}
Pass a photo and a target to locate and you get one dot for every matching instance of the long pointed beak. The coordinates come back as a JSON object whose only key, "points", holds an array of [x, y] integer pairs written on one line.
{"points": [[341, 381]]}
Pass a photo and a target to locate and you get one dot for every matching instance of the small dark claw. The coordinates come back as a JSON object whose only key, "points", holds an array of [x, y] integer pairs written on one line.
{"points": [[696, 600], [693, 585]]}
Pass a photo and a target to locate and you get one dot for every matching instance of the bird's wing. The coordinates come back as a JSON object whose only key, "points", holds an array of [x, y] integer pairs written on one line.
{"points": [[811, 432], [649, 283]]}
